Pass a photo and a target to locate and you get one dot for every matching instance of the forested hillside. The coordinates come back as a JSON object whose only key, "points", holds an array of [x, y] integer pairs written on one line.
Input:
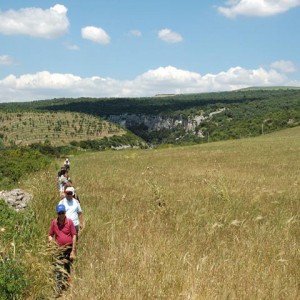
{"points": [[195, 118]]}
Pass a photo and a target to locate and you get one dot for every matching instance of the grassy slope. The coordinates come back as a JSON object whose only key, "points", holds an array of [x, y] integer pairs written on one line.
{"points": [[60, 127], [216, 221]]}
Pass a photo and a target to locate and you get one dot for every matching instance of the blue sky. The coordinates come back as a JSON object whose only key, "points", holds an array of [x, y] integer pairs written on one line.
{"points": [[133, 48]]}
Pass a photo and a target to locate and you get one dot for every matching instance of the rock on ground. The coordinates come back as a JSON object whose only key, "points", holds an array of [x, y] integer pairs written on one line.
{"points": [[17, 198]]}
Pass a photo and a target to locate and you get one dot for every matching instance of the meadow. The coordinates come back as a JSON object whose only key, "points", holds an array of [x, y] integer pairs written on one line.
{"points": [[212, 221]]}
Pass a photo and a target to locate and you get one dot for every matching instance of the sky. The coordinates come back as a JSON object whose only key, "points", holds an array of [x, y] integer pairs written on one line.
{"points": [[133, 48]]}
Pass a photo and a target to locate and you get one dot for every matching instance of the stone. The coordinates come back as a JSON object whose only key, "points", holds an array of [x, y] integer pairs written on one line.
{"points": [[17, 198]]}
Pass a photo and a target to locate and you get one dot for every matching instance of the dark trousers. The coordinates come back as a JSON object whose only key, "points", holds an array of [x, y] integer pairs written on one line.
{"points": [[62, 263], [77, 229]]}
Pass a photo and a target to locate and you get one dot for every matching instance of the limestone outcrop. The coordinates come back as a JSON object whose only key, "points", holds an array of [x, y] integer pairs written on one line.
{"points": [[17, 198], [157, 122]]}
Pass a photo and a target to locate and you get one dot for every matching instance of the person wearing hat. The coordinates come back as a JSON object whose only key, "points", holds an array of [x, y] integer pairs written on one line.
{"points": [[64, 232], [67, 164], [73, 208], [69, 184]]}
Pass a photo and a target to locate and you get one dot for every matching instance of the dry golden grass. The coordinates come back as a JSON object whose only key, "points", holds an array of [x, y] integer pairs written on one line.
{"points": [[24, 128], [216, 221]]}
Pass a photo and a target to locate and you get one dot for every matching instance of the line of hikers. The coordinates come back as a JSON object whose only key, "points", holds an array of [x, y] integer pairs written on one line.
{"points": [[64, 229]]}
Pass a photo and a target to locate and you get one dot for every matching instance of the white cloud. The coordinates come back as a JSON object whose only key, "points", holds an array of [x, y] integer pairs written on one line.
{"points": [[284, 66], [95, 34], [49, 23], [6, 60], [44, 80], [169, 36], [259, 8], [135, 32], [169, 74], [45, 85], [71, 46]]}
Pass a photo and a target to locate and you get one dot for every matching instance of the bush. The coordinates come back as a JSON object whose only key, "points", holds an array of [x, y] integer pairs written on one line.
{"points": [[12, 280], [114, 141], [12, 271], [23, 268], [15, 163]]}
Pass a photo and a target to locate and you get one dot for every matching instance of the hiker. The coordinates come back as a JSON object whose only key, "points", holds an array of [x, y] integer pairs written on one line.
{"points": [[62, 180], [73, 209], [59, 173], [72, 188], [64, 174], [63, 229], [66, 183], [67, 164]]}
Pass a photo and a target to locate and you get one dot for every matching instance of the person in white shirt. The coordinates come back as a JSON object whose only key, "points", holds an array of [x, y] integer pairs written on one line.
{"points": [[73, 209], [67, 164]]}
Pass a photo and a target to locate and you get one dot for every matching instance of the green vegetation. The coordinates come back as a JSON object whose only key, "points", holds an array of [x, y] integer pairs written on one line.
{"points": [[246, 113], [16, 163], [12, 271], [25, 128], [114, 142], [269, 88], [20, 255]]}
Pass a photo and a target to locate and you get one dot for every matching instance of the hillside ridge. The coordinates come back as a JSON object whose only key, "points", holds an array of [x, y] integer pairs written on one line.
{"points": [[187, 118]]}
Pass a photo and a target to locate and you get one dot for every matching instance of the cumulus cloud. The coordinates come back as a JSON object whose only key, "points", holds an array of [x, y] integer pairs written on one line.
{"points": [[45, 85], [95, 34], [36, 22], [169, 36], [259, 8], [169, 74], [6, 60], [135, 32], [284, 66]]}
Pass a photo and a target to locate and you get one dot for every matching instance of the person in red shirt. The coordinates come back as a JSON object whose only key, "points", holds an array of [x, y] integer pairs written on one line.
{"points": [[64, 232]]}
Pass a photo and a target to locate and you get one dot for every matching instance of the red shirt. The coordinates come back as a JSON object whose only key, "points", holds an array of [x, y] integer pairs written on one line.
{"points": [[63, 233]]}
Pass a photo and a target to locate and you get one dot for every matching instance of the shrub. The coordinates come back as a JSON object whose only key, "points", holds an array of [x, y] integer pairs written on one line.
{"points": [[15, 163], [23, 269], [12, 280], [12, 272]]}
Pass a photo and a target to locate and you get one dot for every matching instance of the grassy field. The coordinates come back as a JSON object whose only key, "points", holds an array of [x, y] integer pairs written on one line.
{"points": [[216, 221], [60, 128]]}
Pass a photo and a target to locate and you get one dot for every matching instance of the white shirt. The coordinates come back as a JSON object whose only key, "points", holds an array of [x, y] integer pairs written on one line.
{"points": [[72, 209]]}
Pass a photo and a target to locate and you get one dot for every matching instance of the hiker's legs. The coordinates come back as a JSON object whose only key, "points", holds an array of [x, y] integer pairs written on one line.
{"points": [[63, 268], [67, 267], [77, 230], [58, 269]]}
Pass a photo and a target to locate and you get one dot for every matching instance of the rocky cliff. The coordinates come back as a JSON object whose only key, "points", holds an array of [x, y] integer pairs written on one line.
{"points": [[158, 122]]}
